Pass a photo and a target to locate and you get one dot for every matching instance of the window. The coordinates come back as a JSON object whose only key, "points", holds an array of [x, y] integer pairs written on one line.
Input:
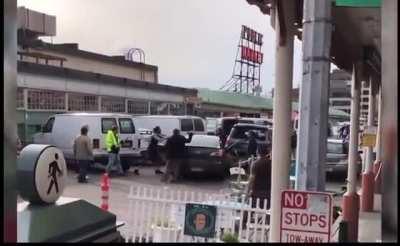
{"points": [[126, 126], [46, 100], [107, 123], [198, 125], [158, 108], [242, 133], [187, 125], [138, 107], [341, 103], [177, 108], [112, 104], [341, 94], [48, 127], [335, 148], [190, 109], [20, 98], [82, 102]]}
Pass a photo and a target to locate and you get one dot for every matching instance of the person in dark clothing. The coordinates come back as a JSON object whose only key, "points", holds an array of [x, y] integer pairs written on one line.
{"points": [[153, 151], [176, 152], [222, 137], [252, 147], [293, 144], [260, 180]]}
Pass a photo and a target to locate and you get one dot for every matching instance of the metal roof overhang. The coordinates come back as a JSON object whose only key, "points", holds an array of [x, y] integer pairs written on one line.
{"points": [[356, 34]]}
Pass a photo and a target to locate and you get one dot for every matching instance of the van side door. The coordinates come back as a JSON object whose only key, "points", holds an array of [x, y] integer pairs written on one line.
{"points": [[127, 133]]}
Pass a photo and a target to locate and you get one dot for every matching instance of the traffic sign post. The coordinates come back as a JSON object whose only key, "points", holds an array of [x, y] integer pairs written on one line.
{"points": [[305, 217]]}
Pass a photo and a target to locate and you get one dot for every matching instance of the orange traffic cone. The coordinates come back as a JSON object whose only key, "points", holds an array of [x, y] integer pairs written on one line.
{"points": [[105, 187]]}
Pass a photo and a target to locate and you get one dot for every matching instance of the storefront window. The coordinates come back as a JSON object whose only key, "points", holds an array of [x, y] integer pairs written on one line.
{"points": [[138, 107], [81, 102], [158, 108], [46, 100], [112, 104], [177, 108]]}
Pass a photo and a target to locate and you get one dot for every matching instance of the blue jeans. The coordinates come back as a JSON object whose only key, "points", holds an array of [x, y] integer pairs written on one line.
{"points": [[113, 159]]}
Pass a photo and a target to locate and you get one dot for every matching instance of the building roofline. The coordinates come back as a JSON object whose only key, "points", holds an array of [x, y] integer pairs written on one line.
{"points": [[42, 69], [73, 49]]}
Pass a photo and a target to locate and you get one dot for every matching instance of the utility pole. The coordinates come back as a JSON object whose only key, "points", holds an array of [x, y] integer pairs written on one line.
{"points": [[314, 98]]}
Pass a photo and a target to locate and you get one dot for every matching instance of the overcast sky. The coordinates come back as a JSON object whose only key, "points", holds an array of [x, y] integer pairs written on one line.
{"points": [[193, 42]]}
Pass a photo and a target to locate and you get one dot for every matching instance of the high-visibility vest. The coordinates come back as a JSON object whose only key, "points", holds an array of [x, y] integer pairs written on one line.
{"points": [[111, 140]]}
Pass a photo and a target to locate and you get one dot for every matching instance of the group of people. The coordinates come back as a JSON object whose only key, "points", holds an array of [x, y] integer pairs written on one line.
{"points": [[175, 153]]}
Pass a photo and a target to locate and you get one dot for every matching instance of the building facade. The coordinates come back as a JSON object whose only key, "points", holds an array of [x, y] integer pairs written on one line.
{"points": [[59, 78], [340, 90]]}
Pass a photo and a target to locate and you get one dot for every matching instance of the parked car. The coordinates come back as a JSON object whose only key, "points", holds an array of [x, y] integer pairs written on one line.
{"points": [[61, 130], [337, 157], [238, 138], [226, 123], [168, 123], [204, 155]]}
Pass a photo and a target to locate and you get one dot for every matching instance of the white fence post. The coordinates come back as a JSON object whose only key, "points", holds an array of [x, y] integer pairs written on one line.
{"points": [[156, 214]]}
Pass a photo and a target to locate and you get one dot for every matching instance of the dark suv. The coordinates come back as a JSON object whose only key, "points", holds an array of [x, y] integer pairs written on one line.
{"points": [[238, 138]]}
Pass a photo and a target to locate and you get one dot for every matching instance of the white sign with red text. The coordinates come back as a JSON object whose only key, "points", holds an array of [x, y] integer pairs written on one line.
{"points": [[305, 217]]}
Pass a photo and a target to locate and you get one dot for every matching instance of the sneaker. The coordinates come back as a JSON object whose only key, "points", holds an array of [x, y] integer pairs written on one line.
{"points": [[159, 172]]}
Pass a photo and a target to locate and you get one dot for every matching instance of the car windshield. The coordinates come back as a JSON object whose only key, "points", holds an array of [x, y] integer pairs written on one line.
{"points": [[204, 141], [335, 148], [243, 132]]}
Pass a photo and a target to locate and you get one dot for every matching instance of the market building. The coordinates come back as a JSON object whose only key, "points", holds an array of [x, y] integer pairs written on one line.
{"points": [[59, 78]]}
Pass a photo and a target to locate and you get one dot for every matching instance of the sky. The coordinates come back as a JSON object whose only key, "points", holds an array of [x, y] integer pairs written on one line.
{"points": [[193, 42]]}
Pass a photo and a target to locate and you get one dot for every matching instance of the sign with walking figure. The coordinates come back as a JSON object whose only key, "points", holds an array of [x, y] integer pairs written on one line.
{"points": [[44, 171], [54, 171]]}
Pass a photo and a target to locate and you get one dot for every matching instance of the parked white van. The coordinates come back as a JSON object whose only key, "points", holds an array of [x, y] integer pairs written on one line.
{"points": [[168, 123], [61, 130]]}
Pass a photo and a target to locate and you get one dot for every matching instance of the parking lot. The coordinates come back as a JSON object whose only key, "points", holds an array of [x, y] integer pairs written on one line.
{"points": [[118, 201]]}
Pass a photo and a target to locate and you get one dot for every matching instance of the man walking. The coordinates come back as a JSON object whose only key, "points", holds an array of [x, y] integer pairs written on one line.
{"points": [[153, 152], [260, 180], [176, 152], [113, 145], [83, 153]]}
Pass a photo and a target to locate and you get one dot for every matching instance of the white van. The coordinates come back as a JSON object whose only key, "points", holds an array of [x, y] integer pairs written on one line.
{"points": [[61, 130], [168, 123]]}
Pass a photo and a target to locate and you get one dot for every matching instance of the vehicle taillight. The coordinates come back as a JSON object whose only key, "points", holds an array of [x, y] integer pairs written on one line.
{"points": [[96, 143]]}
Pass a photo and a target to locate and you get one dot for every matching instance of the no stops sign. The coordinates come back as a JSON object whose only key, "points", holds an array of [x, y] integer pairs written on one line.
{"points": [[305, 216]]}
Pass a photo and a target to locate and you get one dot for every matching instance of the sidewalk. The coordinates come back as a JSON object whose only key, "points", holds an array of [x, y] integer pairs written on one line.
{"points": [[369, 227]]}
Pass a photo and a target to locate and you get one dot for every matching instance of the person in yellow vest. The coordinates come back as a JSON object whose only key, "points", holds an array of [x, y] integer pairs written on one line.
{"points": [[113, 146]]}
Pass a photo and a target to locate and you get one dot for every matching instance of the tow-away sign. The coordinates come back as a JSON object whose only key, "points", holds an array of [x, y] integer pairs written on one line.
{"points": [[305, 216]]}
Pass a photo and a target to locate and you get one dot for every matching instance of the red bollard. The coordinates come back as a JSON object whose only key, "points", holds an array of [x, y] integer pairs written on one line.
{"points": [[105, 187], [351, 208], [367, 192]]}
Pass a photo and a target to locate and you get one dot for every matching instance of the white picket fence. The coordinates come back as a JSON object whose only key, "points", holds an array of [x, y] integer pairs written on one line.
{"points": [[157, 215]]}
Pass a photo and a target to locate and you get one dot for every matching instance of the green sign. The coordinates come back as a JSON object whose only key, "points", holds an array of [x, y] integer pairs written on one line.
{"points": [[359, 3], [200, 220]]}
